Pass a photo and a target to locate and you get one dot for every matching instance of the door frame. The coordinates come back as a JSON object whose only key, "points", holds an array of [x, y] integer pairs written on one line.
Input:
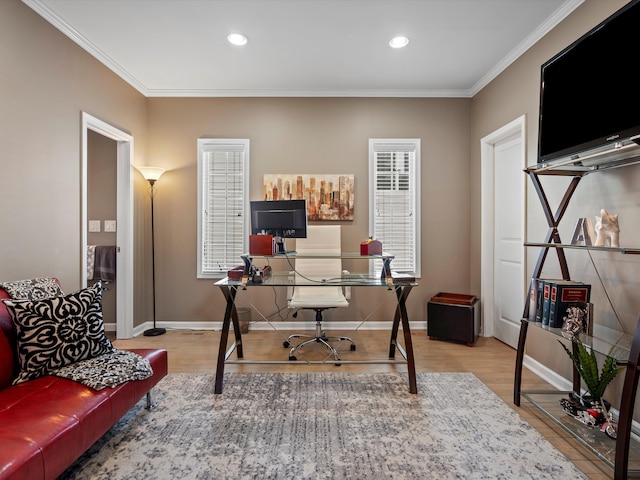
{"points": [[487, 220], [124, 218]]}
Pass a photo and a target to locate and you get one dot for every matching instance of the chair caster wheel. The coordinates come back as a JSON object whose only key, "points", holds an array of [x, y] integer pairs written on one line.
{"points": [[353, 347], [338, 364], [286, 344], [292, 358]]}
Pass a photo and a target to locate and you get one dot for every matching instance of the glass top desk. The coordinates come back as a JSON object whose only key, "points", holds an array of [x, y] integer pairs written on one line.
{"points": [[229, 289]]}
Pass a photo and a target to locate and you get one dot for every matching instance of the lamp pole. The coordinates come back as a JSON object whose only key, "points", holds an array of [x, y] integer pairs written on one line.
{"points": [[152, 174]]}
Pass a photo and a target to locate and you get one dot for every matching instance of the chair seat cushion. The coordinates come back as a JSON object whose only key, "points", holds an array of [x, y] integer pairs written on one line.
{"points": [[318, 297]]}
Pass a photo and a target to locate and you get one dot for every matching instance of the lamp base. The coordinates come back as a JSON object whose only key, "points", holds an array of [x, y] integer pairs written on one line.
{"points": [[154, 332]]}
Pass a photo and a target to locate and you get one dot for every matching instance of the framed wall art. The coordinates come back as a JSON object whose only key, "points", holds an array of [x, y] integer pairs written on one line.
{"points": [[329, 197]]}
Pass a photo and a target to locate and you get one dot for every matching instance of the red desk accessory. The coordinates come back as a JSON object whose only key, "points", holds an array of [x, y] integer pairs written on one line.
{"points": [[261, 244], [371, 247]]}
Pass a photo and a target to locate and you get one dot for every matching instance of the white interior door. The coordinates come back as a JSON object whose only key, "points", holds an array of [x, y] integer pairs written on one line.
{"points": [[508, 266], [503, 262]]}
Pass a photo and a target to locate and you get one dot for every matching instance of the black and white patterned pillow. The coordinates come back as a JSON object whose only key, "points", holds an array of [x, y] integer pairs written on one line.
{"points": [[33, 289], [59, 331]]}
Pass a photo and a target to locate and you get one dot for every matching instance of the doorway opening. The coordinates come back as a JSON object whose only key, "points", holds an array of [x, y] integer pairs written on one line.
{"points": [[124, 217]]}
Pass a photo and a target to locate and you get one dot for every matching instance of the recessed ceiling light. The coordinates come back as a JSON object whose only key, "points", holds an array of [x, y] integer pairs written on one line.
{"points": [[237, 39], [399, 42]]}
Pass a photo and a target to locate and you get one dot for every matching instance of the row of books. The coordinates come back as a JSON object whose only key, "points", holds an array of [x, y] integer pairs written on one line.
{"points": [[549, 299]]}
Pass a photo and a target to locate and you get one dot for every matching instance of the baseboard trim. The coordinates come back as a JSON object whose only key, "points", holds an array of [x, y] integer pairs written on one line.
{"points": [[547, 374]]}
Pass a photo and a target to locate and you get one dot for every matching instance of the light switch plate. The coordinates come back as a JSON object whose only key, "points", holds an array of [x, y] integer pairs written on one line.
{"points": [[109, 225], [94, 225]]}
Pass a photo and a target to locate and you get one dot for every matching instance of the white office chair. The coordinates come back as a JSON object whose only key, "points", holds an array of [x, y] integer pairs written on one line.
{"points": [[320, 239]]}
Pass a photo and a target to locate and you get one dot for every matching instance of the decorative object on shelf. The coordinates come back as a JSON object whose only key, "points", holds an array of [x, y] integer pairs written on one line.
{"points": [[590, 408], [592, 414], [564, 294], [583, 233], [261, 245], [607, 230], [371, 247], [152, 174], [328, 196], [575, 322]]}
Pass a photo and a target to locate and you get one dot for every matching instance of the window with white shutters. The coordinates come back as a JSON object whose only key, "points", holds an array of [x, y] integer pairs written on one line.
{"points": [[394, 201], [223, 199]]}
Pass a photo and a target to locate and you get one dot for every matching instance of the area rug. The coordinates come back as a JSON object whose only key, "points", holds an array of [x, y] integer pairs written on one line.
{"points": [[323, 426]]}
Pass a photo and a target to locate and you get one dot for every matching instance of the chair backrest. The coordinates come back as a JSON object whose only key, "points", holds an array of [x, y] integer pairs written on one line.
{"points": [[320, 239]]}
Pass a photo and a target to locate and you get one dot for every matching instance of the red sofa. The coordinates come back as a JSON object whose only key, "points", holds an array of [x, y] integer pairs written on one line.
{"points": [[47, 423]]}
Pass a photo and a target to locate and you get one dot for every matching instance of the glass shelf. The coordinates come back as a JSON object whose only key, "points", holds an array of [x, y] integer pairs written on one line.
{"points": [[604, 340], [623, 250], [605, 158], [592, 438]]}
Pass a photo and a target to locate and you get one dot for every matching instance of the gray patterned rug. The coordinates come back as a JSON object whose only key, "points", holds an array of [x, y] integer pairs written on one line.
{"points": [[323, 426]]}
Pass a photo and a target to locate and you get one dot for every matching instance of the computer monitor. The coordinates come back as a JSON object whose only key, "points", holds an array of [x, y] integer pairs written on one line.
{"points": [[280, 218]]}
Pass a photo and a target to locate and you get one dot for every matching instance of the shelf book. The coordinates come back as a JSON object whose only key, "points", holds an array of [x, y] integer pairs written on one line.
{"points": [[566, 294], [549, 299]]}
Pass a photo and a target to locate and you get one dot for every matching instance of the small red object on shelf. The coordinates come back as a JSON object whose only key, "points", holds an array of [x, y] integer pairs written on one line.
{"points": [[371, 247], [261, 244]]}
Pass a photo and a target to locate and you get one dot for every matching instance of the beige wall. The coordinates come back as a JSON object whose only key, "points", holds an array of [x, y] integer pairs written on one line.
{"points": [[45, 84], [310, 135], [514, 93]]}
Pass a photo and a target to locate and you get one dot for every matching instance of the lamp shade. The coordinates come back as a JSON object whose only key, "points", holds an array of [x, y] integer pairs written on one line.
{"points": [[151, 173]]}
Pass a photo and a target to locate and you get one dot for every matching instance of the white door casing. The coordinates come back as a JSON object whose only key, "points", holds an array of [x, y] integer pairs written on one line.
{"points": [[124, 220], [503, 283]]}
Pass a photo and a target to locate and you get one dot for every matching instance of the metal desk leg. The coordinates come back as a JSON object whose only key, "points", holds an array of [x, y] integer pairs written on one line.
{"points": [[230, 296], [401, 316], [517, 381], [230, 311], [393, 343]]}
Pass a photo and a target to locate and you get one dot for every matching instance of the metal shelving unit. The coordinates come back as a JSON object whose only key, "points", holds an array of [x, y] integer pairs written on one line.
{"points": [[623, 454]]}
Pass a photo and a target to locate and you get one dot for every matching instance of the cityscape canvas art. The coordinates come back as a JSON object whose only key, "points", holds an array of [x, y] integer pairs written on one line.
{"points": [[329, 197]]}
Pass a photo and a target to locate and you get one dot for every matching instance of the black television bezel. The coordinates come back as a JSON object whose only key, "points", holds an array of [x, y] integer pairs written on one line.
{"points": [[299, 207], [609, 138]]}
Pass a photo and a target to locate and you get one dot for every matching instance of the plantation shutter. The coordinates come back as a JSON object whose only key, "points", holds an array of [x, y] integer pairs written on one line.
{"points": [[223, 197], [394, 202]]}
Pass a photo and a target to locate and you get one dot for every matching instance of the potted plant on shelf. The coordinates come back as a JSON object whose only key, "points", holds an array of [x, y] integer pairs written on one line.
{"points": [[590, 408]]}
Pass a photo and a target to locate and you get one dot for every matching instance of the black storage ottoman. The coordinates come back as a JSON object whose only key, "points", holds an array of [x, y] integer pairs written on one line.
{"points": [[454, 317]]}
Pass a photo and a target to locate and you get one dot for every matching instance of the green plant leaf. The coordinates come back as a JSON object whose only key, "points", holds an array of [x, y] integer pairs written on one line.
{"points": [[586, 364]]}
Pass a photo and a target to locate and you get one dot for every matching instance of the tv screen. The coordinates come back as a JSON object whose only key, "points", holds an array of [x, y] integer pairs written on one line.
{"points": [[589, 93], [281, 218]]}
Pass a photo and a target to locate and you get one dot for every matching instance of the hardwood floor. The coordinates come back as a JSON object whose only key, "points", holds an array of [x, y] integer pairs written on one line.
{"points": [[489, 359]]}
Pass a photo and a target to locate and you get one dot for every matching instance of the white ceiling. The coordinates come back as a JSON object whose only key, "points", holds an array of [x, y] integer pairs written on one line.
{"points": [[305, 47]]}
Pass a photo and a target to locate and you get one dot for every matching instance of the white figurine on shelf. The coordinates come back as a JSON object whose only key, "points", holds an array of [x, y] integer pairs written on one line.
{"points": [[607, 229]]}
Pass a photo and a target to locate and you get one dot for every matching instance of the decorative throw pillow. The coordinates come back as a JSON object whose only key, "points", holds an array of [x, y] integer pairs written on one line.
{"points": [[57, 332], [33, 289]]}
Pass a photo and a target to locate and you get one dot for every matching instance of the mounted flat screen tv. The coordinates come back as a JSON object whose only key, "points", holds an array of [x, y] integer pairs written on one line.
{"points": [[280, 218], [590, 91]]}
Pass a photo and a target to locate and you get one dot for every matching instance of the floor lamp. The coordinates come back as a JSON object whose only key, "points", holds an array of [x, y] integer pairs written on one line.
{"points": [[152, 174]]}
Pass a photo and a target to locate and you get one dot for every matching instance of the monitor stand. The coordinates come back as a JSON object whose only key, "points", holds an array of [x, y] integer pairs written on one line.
{"points": [[281, 246]]}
